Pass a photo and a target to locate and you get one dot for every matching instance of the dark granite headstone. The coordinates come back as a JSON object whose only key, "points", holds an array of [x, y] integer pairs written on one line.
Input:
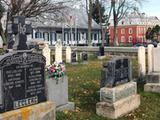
{"points": [[73, 57], [101, 51], [20, 30], [84, 57], [116, 71], [22, 80]]}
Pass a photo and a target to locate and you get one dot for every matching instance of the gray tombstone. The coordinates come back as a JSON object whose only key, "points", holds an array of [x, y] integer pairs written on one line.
{"points": [[116, 71], [84, 57], [20, 30], [74, 57]]}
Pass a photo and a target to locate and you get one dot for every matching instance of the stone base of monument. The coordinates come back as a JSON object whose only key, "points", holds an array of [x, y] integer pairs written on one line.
{"points": [[119, 92], [152, 82], [41, 111], [68, 106], [57, 91], [101, 57], [119, 108], [153, 77], [152, 87], [118, 101], [74, 63]]}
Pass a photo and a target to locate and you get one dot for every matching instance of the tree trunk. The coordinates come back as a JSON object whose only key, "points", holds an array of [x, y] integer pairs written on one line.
{"points": [[115, 38], [2, 34], [115, 20], [90, 23], [100, 21]]}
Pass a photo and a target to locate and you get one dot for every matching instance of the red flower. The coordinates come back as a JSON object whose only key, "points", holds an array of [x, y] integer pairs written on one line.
{"points": [[52, 68]]}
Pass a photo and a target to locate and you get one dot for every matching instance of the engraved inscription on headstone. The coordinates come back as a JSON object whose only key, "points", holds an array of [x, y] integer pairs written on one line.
{"points": [[22, 80], [116, 71]]}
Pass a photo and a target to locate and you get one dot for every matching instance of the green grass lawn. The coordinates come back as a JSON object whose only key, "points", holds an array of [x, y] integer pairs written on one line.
{"points": [[83, 86]]}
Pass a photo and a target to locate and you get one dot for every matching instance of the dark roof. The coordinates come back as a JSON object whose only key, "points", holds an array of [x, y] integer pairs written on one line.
{"points": [[69, 17]]}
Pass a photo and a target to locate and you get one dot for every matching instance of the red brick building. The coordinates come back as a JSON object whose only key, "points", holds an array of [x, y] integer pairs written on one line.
{"points": [[132, 29]]}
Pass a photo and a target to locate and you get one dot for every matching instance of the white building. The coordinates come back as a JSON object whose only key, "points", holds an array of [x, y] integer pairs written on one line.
{"points": [[51, 27]]}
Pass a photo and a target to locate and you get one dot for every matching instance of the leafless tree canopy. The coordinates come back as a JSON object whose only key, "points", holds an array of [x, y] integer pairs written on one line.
{"points": [[32, 8]]}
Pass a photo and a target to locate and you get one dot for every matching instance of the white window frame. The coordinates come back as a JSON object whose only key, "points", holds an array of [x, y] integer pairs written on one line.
{"points": [[122, 39], [123, 31], [130, 30], [130, 39]]}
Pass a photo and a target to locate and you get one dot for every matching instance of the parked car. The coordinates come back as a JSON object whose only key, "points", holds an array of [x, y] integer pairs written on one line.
{"points": [[140, 44], [154, 43]]}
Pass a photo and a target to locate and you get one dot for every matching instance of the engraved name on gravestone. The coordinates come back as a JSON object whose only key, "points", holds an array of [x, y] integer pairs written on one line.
{"points": [[116, 71], [22, 80], [20, 30]]}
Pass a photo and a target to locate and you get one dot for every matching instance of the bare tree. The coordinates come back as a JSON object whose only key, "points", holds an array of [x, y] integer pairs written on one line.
{"points": [[89, 7], [32, 8], [2, 10]]}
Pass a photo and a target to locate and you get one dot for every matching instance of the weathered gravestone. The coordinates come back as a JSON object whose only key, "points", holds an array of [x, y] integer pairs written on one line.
{"points": [[58, 92], [118, 95], [68, 54], [101, 54], [74, 57], [46, 52], [20, 29], [84, 57], [153, 76], [58, 52], [116, 71], [22, 82]]}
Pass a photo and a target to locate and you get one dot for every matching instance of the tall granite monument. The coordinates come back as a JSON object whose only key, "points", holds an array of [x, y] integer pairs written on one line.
{"points": [[22, 72]]}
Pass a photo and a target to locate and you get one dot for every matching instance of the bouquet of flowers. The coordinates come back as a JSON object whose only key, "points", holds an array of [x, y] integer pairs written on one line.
{"points": [[56, 70]]}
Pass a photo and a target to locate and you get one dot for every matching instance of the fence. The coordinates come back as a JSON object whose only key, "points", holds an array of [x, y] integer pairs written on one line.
{"points": [[130, 51]]}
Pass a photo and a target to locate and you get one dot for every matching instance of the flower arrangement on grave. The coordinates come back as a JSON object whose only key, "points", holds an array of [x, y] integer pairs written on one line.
{"points": [[56, 70]]}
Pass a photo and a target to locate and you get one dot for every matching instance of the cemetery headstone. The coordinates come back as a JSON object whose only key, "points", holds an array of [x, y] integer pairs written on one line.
{"points": [[46, 52], [57, 86], [22, 80], [101, 54], [118, 94], [68, 54], [22, 72], [58, 52], [74, 57], [20, 30], [153, 76], [101, 51], [142, 61], [116, 71], [84, 57]]}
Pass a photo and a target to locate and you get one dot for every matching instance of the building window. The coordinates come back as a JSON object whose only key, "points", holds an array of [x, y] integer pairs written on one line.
{"points": [[53, 36], [46, 36], [130, 31], [122, 31], [122, 39], [95, 36], [130, 39], [38, 35], [74, 36]]}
